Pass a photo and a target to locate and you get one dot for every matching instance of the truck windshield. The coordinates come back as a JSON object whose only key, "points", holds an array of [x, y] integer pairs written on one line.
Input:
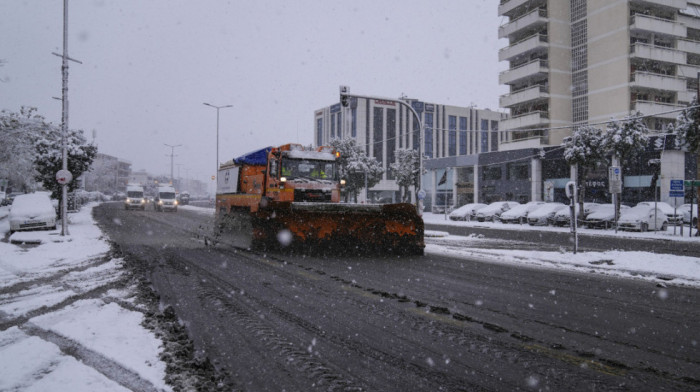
{"points": [[134, 194], [306, 168], [167, 195]]}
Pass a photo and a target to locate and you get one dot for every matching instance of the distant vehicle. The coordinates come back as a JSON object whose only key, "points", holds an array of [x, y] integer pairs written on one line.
{"points": [[494, 210], [544, 215], [165, 199], [643, 218], [184, 198], [518, 214], [563, 216], [603, 216], [135, 199], [674, 216], [466, 212], [32, 211], [685, 210]]}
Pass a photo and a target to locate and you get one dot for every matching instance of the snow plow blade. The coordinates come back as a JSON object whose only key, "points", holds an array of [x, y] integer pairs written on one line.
{"points": [[338, 227]]}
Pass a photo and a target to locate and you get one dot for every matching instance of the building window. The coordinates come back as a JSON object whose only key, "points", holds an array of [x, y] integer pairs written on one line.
{"points": [[390, 140], [494, 135], [484, 135], [319, 131], [462, 136], [518, 171], [339, 118], [353, 126], [377, 146], [429, 135], [332, 126], [452, 136], [491, 173]]}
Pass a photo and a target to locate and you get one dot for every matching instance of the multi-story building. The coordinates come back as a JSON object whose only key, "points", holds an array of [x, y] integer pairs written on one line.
{"points": [[586, 61], [384, 126]]}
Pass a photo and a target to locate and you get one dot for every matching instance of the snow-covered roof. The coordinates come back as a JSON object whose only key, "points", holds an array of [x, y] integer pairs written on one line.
{"points": [[313, 155]]}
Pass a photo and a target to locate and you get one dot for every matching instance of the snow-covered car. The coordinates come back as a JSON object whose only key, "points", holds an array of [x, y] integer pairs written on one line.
{"points": [[643, 218], [673, 215], [603, 216], [32, 211], [518, 214], [494, 210], [685, 210], [563, 216], [466, 212], [544, 215]]}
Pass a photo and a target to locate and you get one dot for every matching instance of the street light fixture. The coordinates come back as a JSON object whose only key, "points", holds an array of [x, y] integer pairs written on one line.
{"points": [[216, 171]]}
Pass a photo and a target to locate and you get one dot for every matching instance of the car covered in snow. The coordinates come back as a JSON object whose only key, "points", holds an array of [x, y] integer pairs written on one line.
{"points": [[643, 218], [494, 210], [32, 211], [563, 216], [466, 212], [603, 216], [544, 215], [518, 214], [673, 215], [685, 210]]}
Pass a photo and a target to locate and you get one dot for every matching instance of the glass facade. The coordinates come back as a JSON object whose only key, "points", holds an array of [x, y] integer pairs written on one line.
{"points": [[428, 135]]}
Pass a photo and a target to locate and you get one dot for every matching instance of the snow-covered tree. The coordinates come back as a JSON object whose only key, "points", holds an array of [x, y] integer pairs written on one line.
{"points": [[356, 167], [584, 151], [687, 128], [18, 132], [406, 169], [49, 159], [625, 140]]}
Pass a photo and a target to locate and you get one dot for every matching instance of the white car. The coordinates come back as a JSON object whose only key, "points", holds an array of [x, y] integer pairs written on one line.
{"points": [[685, 210], [544, 215], [643, 218], [603, 216], [673, 216], [518, 214], [494, 210], [466, 212], [563, 216], [32, 211]]}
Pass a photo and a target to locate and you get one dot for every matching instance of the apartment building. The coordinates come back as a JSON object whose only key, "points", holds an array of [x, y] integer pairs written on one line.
{"points": [[384, 126], [586, 61]]}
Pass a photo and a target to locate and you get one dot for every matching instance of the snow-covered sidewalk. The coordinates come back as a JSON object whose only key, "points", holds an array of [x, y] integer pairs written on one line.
{"points": [[67, 321]]}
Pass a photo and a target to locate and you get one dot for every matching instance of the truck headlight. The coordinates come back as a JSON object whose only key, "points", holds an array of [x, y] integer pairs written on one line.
{"points": [[175, 202]]}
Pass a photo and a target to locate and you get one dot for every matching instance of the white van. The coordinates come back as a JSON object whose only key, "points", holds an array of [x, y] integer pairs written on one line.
{"points": [[135, 198], [165, 199]]}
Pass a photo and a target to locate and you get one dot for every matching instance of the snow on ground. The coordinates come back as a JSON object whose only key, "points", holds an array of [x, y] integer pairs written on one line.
{"points": [[66, 325], [61, 325]]}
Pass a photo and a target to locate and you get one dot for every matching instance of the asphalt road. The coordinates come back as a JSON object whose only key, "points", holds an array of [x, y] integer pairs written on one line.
{"points": [[280, 322]]}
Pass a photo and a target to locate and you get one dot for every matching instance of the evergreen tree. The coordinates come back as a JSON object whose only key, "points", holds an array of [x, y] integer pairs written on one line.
{"points": [[584, 151], [406, 169], [18, 132], [687, 128]]}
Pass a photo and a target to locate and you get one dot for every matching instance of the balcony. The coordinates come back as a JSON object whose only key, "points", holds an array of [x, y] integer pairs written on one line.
{"points": [[657, 25], [526, 46], [688, 71], [688, 46], [687, 95], [657, 109], [527, 120], [531, 20], [508, 7], [677, 4], [525, 95], [530, 70], [657, 81], [657, 53]]}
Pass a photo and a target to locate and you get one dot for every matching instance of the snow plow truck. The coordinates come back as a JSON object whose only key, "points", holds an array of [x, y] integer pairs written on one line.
{"points": [[290, 197]]}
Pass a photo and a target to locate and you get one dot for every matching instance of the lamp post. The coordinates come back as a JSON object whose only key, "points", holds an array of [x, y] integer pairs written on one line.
{"points": [[216, 171], [172, 155]]}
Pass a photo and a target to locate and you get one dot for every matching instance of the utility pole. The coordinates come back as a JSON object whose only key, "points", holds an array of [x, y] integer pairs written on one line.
{"points": [[216, 172], [172, 156]]}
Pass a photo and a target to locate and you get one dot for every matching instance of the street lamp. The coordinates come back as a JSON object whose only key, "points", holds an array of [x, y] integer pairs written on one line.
{"points": [[216, 172], [172, 155]]}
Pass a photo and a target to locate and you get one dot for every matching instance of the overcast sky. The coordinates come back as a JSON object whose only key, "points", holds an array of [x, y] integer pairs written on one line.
{"points": [[148, 66]]}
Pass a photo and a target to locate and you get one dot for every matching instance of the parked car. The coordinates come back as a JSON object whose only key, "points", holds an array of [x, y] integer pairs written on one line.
{"points": [[32, 211], [494, 210], [643, 218], [674, 216], [563, 216], [603, 216], [685, 210], [544, 215], [518, 214], [466, 212]]}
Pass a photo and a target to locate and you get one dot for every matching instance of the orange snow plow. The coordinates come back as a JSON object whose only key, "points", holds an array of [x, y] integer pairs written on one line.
{"points": [[292, 197]]}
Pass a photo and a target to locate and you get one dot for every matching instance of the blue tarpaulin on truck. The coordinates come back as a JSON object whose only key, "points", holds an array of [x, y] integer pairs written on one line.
{"points": [[257, 157]]}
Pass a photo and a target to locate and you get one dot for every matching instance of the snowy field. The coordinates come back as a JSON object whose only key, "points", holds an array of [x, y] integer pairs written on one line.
{"points": [[66, 323]]}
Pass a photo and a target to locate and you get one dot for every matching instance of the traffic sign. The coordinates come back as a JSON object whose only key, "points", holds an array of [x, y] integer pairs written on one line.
{"points": [[692, 183], [615, 179], [63, 177], [676, 189]]}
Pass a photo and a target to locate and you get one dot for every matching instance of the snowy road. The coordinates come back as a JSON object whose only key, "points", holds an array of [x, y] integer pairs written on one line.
{"points": [[436, 322]]}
